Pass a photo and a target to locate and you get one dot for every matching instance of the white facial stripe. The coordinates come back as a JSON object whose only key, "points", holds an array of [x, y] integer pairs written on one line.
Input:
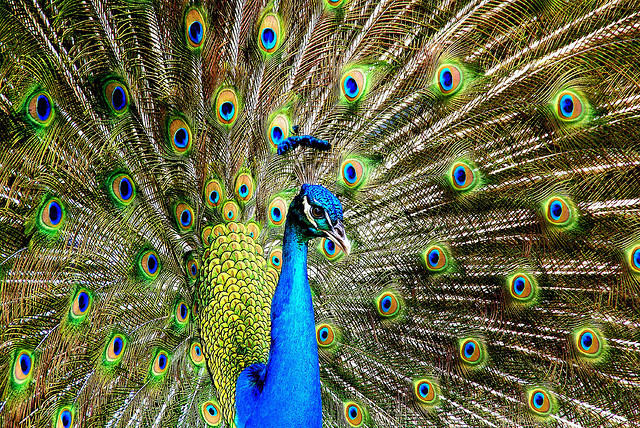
{"points": [[326, 215], [307, 211]]}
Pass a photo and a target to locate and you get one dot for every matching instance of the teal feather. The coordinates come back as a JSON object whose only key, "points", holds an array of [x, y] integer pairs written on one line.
{"points": [[485, 154]]}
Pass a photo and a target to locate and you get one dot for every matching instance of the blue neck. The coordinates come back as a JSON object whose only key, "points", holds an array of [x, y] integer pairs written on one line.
{"points": [[291, 392]]}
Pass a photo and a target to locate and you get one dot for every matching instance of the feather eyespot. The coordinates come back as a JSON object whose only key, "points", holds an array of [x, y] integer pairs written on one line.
{"points": [[160, 363], [353, 414], [588, 342], [192, 269], [80, 306], [230, 211], [213, 194], [278, 130], [184, 217], [462, 176], [539, 401], [179, 133], [352, 172], [115, 348], [388, 304], [329, 249], [207, 237], [424, 391], [335, 3], [352, 85], [325, 335], [558, 212], [275, 258], [123, 189], [211, 413], [196, 354], [634, 259], [269, 33], [435, 258], [277, 212], [65, 418], [116, 96], [195, 28], [569, 106], [182, 313], [244, 187], [22, 367], [227, 106], [40, 109], [449, 79], [149, 264], [52, 214], [253, 230], [521, 287], [471, 351]]}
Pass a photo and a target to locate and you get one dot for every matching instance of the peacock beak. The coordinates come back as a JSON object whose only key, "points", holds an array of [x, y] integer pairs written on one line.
{"points": [[338, 236]]}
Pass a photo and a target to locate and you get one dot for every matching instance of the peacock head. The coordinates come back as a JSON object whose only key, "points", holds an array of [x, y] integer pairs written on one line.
{"points": [[318, 213]]}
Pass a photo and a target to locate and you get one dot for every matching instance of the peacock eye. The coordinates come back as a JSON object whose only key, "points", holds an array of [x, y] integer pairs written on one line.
{"points": [[317, 212]]}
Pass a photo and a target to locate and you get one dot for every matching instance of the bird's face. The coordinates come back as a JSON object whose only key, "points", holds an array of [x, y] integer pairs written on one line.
{"points": [[320, 213]]}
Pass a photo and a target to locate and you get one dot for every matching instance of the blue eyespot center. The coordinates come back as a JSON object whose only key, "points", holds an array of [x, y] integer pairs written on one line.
{"points": [[636, 258], [227, 110], [83, 301], [538, 400], [181, 138], [350, 173], [276, 135], [65, 417], [244, 191], [55, 213], [446, 79], [43, 108], [555, 209], [194, 269], [351, 87], [152, 264], [212, 410], [460, 176], [126, 190], [566, 105], [353, 412], [118, 98], [185, 218], [324, 333], [276, 214], [117, 346], [214, 197], [268, 38], [195, 32], [386, 303], [230, 214], [518, 285], [276, 260], [25, 364], [330, 246], [424, 390], [434, 258], [198, 351], [586, 341], [162, 361], [469, 349], [183, 310]]}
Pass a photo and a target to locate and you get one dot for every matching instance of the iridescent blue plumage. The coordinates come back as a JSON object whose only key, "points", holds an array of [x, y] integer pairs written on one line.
{"points": [[286, 391]]}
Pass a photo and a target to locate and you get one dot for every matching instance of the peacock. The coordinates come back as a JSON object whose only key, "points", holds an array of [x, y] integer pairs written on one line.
{"points": [[319, 213]]}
